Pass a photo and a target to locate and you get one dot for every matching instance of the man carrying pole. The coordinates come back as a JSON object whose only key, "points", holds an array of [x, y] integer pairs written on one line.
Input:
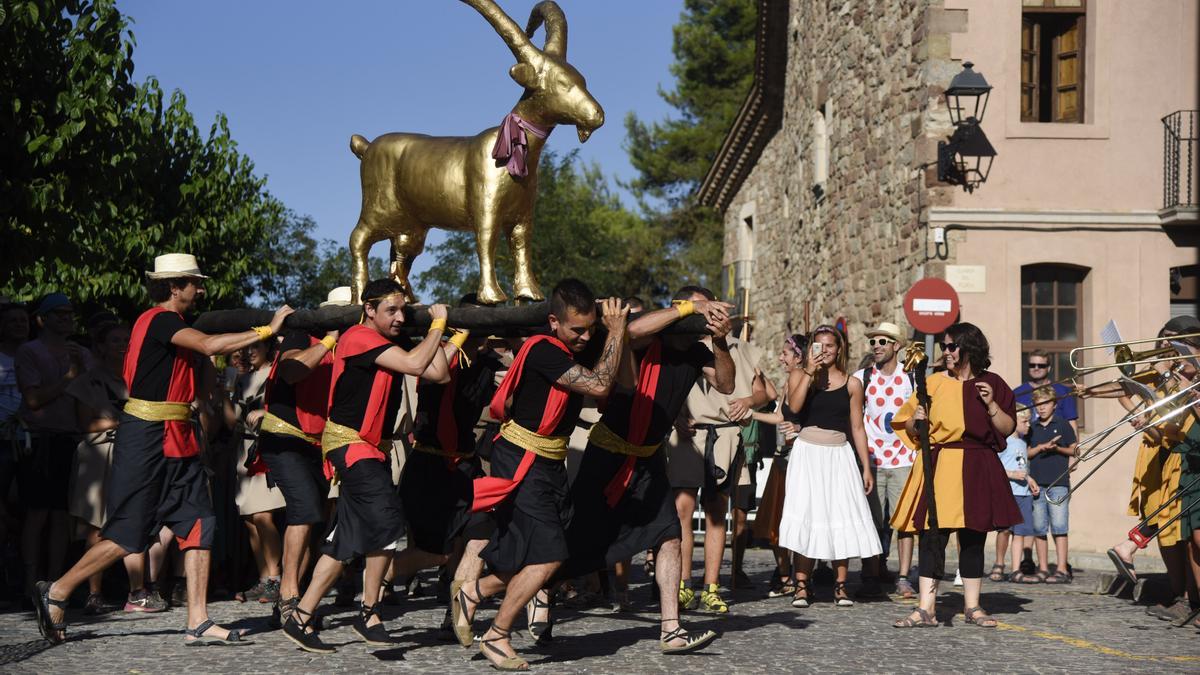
{"points": [[364, 399], [297, 403], [622, 498], [539, 402], [157, 476]]}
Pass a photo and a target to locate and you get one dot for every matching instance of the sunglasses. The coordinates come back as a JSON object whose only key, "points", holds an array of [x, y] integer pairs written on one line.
{"points": [[880, 342], [949, 346], [1038, 365]]}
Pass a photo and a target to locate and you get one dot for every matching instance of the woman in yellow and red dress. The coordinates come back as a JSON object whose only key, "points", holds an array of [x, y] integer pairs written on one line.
{"points": [[971, 413]]}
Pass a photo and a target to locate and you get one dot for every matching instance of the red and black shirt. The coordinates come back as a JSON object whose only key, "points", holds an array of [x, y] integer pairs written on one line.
{"points": [[304, 404], [678, 371], [447, 413], [364, 396], [544, 364], [157, 370]]}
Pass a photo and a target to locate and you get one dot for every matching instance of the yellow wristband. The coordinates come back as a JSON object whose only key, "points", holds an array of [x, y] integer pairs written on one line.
{"points": [[264, 332], [329, 341], [437, 324], [684, 307], [459, 338]]}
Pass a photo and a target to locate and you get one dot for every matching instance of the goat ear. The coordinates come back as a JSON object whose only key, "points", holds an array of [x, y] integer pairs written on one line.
{"points": [[524, 74]]}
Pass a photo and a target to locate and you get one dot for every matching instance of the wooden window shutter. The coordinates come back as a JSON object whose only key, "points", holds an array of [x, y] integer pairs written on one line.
{"points": [[1068, 73], [1030, 68]]}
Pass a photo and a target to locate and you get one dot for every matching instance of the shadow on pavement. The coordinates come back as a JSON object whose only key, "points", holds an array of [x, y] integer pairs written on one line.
{"points": [[17, 653]]}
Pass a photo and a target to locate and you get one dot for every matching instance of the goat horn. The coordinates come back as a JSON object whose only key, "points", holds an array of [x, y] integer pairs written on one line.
{"points": [[507, 29], [556, 27]]}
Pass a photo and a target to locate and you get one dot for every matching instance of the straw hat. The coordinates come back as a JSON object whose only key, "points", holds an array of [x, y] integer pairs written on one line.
{"points": [[886, 329], [338, 296], [175, 265]]}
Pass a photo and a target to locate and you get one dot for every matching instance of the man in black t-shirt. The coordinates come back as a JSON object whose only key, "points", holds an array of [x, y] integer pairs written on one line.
{"points": [[366, 390], [436, 486], [622, 498], [297, 402], [157, 478], [539, 400]]}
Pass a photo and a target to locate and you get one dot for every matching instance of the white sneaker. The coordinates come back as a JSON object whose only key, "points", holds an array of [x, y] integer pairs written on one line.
{"points": [[957, 579]]}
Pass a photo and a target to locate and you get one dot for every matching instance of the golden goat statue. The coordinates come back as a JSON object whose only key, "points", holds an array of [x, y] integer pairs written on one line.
{"points": [[412, 183]]}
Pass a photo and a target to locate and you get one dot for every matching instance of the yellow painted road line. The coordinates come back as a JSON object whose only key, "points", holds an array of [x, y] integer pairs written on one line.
{"points": [[1092, 646]]}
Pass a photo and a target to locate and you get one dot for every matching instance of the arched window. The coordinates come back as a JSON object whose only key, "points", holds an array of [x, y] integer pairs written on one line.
{"points": [[820, 152], [1052, 311], [1052, 316]]}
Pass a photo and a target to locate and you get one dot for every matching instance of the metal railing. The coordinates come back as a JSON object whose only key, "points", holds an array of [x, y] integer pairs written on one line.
{"points": [[1179, 158]]}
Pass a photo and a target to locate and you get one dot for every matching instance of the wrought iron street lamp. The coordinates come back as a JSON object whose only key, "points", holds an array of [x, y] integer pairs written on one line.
{"points": [[967, 89], [966, 157]]}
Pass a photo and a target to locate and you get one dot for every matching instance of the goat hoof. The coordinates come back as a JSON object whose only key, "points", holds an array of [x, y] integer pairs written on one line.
{"points": [[529, 293], [491, 296]]}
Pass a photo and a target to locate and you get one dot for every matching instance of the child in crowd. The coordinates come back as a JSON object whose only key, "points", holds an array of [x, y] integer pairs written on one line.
{"points": [[1051, 452], [1016, 465]]}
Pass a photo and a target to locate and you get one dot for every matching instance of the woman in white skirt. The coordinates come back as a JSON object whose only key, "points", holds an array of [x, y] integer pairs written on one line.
{"points": [[825, 511]]}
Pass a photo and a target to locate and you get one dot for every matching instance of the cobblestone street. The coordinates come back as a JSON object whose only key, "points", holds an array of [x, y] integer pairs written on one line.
{"points": [[1043, 629]]}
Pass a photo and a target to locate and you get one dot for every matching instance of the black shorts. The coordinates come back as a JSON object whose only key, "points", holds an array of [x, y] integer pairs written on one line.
{"points": [[437, 499], [369, 516], [147, 490], [599, 536], [44, 474], [531, 522], [295, 467]]}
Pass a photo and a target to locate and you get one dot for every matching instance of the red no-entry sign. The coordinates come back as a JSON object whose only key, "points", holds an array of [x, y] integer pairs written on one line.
{"points": [[931, 306]]}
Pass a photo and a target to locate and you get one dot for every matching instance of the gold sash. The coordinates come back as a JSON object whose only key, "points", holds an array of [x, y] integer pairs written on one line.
{"points": [[550, 447], [281, 427], [336, 436], [159, 411], [605, 438]]}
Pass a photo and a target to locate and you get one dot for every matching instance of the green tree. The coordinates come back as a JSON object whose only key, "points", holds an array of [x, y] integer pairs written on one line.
{"points": [[580, 230], [714, 68], [304, 269], [98, 174]]}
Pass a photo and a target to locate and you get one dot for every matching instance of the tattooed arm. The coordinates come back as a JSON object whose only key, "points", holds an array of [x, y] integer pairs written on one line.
{"points": [[598, 381]]}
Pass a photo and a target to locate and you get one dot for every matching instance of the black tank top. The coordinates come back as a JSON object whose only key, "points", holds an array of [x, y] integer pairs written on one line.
{"points": [[788, 415], [828, 409]]}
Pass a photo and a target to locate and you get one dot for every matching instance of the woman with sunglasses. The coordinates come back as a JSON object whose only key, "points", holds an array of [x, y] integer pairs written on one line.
{"points": [[971, 413], [825, 510]]}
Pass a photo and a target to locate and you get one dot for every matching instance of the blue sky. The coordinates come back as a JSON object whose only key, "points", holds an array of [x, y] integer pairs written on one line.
{"points": [[296, 79]]}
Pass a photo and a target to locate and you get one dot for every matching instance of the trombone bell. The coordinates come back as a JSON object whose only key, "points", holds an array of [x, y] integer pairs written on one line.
{"points": [[1127, 360]]}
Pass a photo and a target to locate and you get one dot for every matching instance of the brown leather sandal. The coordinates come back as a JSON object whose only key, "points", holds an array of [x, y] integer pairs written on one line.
{"points": [[984, 619], [926, 621]]}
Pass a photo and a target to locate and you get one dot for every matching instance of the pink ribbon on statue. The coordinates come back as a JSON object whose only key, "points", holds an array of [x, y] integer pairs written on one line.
{"points": [[512, 146]]}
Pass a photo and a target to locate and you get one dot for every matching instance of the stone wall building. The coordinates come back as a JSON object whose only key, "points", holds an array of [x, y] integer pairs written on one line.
{"points": [[832, 208]]}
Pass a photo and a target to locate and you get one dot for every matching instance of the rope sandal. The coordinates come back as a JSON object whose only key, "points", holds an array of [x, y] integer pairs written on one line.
{"points": [[376, 635], [540, 631], [800, 601], [458, 598], [507, 663], [296, 629], [840, 597], [692, 642], [55, 633], [199, 639]]}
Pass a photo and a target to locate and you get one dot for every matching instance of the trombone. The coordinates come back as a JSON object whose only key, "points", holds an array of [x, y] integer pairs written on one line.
{"points": [[1166, 409], [1127, 359]]}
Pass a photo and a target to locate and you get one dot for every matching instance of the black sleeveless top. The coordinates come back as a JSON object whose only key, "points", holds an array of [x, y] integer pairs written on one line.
{"points": [[828, 409]]}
